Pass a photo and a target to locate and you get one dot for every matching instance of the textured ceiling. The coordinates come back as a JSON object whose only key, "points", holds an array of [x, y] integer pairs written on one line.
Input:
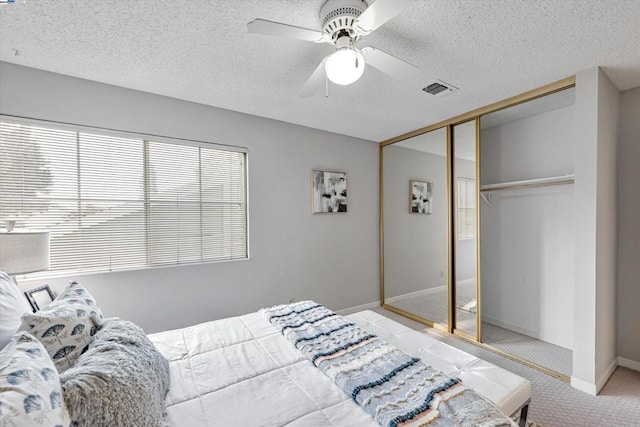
{"points": [[200, 51]]}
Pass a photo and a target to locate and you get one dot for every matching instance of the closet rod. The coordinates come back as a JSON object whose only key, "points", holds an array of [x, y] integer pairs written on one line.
{"points": [[529, 183]]}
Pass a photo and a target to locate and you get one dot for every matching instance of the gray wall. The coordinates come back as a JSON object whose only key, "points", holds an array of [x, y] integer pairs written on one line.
{"points": [[597, 115], [415, 245], [606, 243], [332, 259], [535, 147], [629, 230], [527, 234]]}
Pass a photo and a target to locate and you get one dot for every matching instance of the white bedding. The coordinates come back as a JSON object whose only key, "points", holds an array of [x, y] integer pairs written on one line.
{"points": [[221, 372]]}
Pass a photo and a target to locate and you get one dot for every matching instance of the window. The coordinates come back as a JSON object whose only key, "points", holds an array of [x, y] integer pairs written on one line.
{"points": [[466, 208], [115, 203]]}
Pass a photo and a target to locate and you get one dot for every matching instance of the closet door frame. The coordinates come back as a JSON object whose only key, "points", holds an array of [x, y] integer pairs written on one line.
{"points": [[476, 115], [453, 232], [438, 326]]}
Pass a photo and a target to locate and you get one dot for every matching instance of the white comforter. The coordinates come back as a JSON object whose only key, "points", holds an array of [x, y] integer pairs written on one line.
{"points": [[241, 371]]}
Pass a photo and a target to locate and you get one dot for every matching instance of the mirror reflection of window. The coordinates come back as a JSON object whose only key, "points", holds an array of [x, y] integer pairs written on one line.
{"points": [[466, 208]]}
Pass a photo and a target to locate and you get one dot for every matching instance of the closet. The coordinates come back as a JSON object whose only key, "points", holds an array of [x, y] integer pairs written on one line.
{"points": [[527, 222], [491, 258]]}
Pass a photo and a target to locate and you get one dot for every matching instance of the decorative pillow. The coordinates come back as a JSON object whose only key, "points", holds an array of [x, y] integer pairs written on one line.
{"points": [[12, 307], [76, 296], [30, 392], [65, 326], [122, 379]]}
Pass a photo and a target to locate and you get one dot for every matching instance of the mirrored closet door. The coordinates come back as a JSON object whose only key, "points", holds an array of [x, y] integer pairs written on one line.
{"points": [[415, 223], [465, 228], [477, 226]]}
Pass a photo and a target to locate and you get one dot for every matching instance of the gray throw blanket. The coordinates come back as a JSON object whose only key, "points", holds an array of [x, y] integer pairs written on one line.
{"points": [[395, 388], [121, 380]]}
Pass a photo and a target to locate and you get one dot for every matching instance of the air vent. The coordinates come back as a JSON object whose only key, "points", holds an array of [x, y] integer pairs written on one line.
{"points": [[440, 88]]}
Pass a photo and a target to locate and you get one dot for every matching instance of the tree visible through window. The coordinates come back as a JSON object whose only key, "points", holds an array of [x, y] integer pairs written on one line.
{"points": [[116, 203], [466, 208], [28, 164]]}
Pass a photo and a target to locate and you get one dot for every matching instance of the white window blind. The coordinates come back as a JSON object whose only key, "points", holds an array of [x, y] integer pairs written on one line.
{"points": [[466, 208], [118, 203]]}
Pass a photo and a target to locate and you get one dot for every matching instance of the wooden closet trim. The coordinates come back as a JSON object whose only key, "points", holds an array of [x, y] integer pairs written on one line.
{"points": [[509, 102]]}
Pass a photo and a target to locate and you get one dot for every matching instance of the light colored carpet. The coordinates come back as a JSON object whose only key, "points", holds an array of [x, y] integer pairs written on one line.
{"points": [[554, 402], [542, 353], [431, 304]]}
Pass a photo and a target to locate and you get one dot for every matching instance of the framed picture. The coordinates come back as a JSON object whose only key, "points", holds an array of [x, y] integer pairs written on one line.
{"points": [[329, 191], [421, 197], [40, 297]]}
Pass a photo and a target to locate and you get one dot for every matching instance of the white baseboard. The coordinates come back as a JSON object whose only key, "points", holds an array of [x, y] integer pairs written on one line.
{"points": [[421, 292], [529, 332], [594, 389], [583, 385], [606, 375], [628, 363], [357, 308]]}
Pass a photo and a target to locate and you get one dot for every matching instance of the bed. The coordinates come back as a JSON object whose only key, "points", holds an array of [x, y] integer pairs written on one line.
{"points": [[68, 365], [241, 371]]}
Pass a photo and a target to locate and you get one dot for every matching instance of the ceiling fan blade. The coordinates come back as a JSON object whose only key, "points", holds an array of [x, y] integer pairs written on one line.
{"points": [[389, 64], [270, 28], [379, 13], [314, 82]]}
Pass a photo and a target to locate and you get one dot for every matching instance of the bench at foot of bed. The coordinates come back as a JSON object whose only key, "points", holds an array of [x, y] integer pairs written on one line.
{"points": [[510, 392]]}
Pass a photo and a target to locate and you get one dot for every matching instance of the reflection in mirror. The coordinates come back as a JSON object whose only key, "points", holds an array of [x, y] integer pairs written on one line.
{"points": [[416, 226], [464, 146]]}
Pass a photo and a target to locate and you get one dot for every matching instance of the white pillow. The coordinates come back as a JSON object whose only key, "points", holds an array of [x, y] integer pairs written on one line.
{"points": [[30, 390], [66, 326], [12, 306]]}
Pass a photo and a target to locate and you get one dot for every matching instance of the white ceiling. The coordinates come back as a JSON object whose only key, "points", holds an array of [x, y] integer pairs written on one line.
{"points": [[534, 107], [200, 51]]}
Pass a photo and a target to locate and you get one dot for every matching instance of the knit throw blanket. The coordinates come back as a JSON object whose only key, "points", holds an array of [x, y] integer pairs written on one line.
{"points": [[395, 388]]}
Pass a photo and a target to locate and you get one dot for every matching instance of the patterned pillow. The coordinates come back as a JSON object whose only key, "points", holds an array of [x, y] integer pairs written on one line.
{"points": [[30, 391], [66, 326], [76, 296]]}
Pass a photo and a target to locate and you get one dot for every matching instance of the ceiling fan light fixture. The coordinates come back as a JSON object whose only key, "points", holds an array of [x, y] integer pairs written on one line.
{"points": [[344, 66]]}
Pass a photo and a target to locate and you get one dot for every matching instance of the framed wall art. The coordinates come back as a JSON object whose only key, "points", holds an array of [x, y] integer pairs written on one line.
{"points": [[329, 191], [420, 197]]}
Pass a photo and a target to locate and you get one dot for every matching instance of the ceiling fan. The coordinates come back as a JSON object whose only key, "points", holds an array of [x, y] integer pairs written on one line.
{"points": [[344, 23]]}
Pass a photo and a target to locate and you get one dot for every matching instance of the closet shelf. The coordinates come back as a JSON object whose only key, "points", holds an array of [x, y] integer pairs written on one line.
{"points": [[527, 183], [485, 190]]}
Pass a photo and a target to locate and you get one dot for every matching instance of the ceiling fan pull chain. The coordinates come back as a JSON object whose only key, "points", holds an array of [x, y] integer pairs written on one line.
{"points": [[353, 46], [326, 87]]}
